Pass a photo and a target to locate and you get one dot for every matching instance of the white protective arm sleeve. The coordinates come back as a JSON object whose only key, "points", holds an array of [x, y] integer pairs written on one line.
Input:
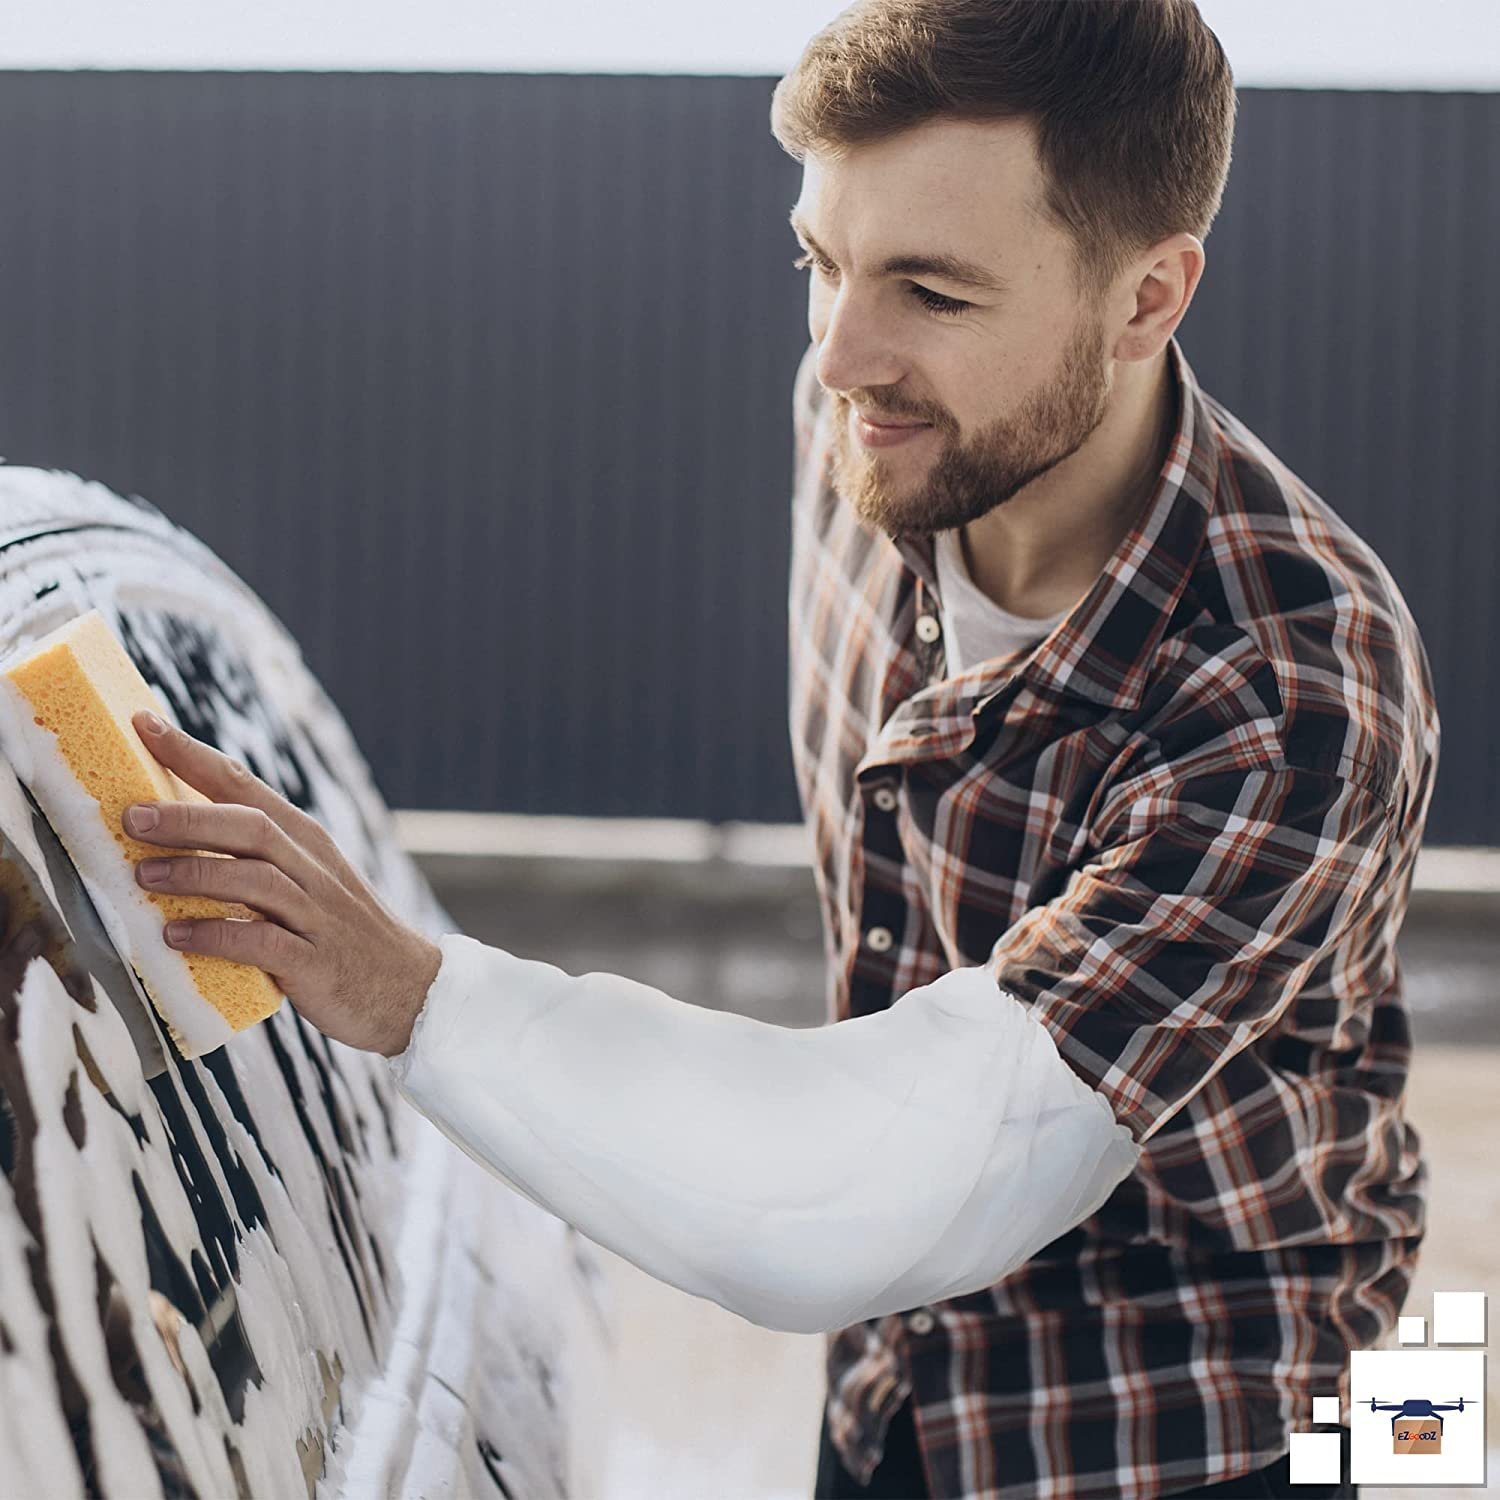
{"points": [[804, 1178]]}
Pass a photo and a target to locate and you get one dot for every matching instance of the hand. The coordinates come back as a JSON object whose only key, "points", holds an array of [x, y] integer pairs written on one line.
{"points": [[343, 959]]}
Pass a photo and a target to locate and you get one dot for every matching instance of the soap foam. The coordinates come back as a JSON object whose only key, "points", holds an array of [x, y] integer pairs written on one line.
{"points": [[15, 722]]}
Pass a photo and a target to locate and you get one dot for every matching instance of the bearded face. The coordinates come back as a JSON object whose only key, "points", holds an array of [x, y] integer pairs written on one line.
{"points": [[936, 479]]}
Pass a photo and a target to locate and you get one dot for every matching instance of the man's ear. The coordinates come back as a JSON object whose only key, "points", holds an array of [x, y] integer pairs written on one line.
{"points": [[1168, 274]]}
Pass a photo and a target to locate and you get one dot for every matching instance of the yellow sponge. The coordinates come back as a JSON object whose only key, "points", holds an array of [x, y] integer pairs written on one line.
{"points": [[72, 697]]}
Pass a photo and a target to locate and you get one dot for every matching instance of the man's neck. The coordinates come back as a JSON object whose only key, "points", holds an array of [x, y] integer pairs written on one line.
{"points": [[1043, 548]]}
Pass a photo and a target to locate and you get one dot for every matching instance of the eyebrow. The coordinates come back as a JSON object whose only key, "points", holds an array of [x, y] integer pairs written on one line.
{"points": [[947, 267]]}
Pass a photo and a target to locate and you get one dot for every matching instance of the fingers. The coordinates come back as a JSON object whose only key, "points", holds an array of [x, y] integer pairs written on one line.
{"points": [[226, 828], [221, 778], [255, 883], [282, 954]]}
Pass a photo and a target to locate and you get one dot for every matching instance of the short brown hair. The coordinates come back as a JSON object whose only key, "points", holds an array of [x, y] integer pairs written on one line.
{"points": [[1132, 101]]}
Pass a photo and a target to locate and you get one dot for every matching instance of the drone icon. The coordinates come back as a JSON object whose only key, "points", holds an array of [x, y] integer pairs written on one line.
{"points": [[1417, 1409]]}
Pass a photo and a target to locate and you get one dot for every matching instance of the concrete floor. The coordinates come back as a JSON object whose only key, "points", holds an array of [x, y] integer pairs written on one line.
{"points": [[708, 1405]]}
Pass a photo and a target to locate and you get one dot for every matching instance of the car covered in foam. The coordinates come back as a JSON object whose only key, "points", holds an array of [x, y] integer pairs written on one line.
{"points": [[258, 1273]]}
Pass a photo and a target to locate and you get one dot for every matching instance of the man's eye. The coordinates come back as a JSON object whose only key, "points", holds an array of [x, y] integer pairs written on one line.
{"points": [[824, 268], [934, 301], [937, 301]]}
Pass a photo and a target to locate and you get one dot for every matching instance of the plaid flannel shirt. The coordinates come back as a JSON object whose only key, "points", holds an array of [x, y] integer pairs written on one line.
{"points": [[1182, 828]]}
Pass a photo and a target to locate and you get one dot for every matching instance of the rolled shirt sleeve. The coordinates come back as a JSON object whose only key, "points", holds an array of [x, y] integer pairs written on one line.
{"points": [[1190, 931], [804, 1178]]}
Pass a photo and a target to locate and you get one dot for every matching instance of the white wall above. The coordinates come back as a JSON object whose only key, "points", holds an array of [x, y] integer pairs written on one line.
{"points": [[1356, 44]]}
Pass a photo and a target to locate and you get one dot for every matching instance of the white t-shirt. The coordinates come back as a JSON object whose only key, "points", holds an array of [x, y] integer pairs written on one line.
{"points": [[975, 628]]}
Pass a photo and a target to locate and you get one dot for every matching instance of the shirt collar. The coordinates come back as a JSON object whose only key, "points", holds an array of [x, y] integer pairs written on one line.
{"points": [[1103, 647]]}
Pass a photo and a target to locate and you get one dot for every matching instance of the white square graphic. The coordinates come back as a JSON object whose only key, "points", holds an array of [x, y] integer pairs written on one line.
{"points": [[1416, 1435], [1315, 1458], [1411, 1330], [1325, 1409], [1458, 1317]]}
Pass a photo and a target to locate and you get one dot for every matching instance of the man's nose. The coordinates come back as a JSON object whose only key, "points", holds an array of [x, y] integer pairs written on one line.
{"points": [[854, 349]]}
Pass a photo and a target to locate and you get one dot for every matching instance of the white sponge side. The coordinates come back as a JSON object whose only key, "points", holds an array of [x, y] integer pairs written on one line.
{"points": [[133, 923]]}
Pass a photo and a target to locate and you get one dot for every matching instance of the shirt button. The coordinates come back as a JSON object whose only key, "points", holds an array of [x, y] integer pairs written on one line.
{"points": [[928, 628], [879, 939], [884, 799], [921, 1321]]}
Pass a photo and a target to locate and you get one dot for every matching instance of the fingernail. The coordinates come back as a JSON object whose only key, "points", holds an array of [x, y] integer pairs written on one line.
{"points": [[177, 931], [142, 819], [155, 869], [152, 725]]}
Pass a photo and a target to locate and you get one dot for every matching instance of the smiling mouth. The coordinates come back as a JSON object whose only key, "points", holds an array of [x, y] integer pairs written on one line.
{"points": [[887, 421], [877, 435]]}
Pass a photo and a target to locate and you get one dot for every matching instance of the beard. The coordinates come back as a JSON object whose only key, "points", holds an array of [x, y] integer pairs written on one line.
{"points": [[967, 480]]}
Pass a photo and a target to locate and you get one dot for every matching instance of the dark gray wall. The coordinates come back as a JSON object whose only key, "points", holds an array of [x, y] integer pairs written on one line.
{"points": [[483, 382]]}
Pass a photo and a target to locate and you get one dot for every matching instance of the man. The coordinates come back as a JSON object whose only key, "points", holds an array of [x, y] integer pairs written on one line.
{"points": [[1116, 745], [1125, 714]]}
